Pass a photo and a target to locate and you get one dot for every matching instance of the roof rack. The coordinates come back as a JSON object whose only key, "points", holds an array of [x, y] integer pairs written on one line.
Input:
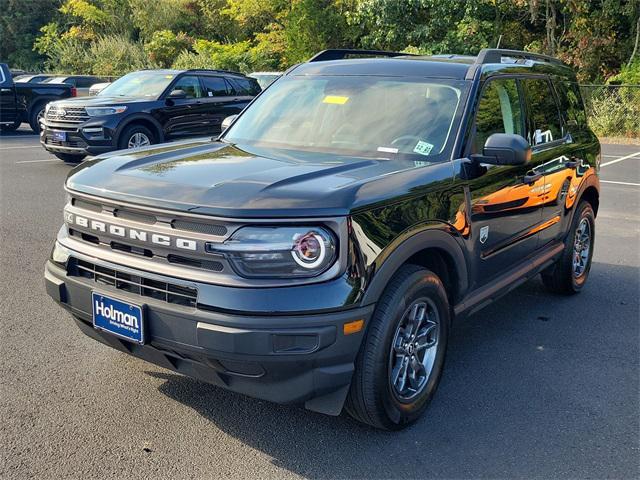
{"points": [[341, 53], [494, 55], [214, 70]]}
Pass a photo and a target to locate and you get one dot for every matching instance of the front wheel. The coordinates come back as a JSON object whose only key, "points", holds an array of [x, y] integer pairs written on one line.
{"points": [[37, 115], [402, 356], [569, 274], [135, 136]]}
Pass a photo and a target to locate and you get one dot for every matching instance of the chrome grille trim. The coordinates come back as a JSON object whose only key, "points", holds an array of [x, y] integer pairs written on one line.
{"points": [[63, 114]]}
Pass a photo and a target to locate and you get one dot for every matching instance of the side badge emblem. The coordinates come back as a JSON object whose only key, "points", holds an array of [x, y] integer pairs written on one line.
{"points": [[484, 234]]}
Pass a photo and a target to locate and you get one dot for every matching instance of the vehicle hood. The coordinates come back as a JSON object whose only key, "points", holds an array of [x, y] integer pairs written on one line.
{"points": [[100, 101], [226, 180]]}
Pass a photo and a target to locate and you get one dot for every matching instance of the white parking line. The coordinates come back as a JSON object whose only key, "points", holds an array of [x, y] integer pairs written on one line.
{"points": [[39, 161], [621, 183], [21, 146], [631, 155]]}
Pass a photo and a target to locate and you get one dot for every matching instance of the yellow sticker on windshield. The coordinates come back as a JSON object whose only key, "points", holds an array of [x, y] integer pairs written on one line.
{"points": [[335, 99], [168, 76]]}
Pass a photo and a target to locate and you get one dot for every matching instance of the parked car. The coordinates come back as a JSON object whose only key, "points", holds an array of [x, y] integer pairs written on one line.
{"points": [[35, 78], [143, 108], [265, 78], [319, 250], [82, 83], [25, 102], [96, 88]]}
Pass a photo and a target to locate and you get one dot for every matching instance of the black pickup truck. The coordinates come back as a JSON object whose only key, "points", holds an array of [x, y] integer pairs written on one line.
{"points": [[25, 102]]}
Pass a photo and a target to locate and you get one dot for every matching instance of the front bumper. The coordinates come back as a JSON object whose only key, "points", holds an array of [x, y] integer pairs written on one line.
{"points": [[89, 138], [284, 358]]}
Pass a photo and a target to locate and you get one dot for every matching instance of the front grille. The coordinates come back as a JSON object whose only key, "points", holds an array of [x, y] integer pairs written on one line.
{"points": [[207, 228], [72, 115], [134, 216], [136, 284]]}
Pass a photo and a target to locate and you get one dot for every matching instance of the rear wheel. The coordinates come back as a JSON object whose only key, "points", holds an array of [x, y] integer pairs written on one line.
{"points": [[69, 157], [569, 274], [37, 114], [11, 127], [402, 356], [136, 136]]}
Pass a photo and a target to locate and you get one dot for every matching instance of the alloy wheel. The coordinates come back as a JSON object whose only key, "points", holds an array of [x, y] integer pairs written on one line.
{"points": [[581, 248], [138, 140], [413, 351]]}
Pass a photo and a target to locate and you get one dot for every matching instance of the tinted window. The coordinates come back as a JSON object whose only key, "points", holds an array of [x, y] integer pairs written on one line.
{"points": [[544, 118], [246, 86], [571, 104], [215, 86], [85, 82], [190, 85], [499, 111]]}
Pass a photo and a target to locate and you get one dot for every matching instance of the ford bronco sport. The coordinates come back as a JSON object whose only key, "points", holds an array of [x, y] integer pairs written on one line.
{"points": [[318, 250]]}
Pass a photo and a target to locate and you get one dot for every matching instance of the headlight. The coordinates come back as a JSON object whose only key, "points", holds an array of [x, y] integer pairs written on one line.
{"points": [[101, 111], [279, 252]]}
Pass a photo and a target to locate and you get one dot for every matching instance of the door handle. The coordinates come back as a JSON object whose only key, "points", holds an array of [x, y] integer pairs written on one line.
{"points": [[5, 90], [531, 178]]}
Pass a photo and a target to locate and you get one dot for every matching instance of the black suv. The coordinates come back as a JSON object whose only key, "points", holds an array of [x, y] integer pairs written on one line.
{"points": [[318, 252], [143, 108]]}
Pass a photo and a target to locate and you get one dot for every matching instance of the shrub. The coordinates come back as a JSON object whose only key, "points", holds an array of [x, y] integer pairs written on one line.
{"points": [[165, 46], [114, 56]]}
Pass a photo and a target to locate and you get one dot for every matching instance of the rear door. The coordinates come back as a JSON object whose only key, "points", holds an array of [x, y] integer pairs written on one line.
{"points": [[505, 201], [219, 100], [553, 150], [8, 107]]}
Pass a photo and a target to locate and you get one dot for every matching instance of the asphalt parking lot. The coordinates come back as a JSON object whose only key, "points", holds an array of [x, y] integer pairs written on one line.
{"points": [[536, 385]]}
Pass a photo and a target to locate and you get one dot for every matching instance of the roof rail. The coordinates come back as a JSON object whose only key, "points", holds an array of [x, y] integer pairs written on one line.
{"points": [[341, 53], [214, 70], [494, 55]]}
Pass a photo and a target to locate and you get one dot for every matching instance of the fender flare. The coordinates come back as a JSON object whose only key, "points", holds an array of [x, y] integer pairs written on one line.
{"points": [[430, 238], [141, 116]]}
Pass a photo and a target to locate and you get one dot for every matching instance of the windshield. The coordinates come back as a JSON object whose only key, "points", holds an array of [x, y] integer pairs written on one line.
{"points": [[369, 116], [139, 84]]}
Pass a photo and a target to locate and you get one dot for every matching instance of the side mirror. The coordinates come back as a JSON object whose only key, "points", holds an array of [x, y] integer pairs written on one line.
{"points": [[504, 149], [177, 94], [228, 121]]}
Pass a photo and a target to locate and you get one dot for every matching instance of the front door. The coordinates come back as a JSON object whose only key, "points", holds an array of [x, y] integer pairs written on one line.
{"points": [[186, 116], [8, 111], [505, 201]]}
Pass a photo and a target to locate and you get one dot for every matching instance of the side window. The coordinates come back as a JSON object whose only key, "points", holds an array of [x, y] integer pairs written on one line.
{"points": [[544, 118], [571, 104], [215, 86], [85, 82], [190, 85], [245, 86], [498, 111]]}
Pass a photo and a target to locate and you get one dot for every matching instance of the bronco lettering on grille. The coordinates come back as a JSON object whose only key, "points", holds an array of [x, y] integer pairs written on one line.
{"points": [[130, 233]]}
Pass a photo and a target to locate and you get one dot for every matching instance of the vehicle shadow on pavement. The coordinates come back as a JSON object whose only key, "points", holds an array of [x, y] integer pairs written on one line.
{"points": [[521, 396]]}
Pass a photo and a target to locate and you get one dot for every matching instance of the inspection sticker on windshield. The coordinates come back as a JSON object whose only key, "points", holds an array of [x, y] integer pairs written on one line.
{"points": [[423, 148], [335, 99]]}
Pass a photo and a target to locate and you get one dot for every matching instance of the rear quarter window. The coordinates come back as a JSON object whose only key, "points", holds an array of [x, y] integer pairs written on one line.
{"points": [[246, 86], [571, 104]]}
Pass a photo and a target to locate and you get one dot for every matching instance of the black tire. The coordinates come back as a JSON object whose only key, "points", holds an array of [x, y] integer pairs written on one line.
{"points": [[36, 113], [373, 397], [11, 127], [564, 277], [131, 131], [70, 157]]}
